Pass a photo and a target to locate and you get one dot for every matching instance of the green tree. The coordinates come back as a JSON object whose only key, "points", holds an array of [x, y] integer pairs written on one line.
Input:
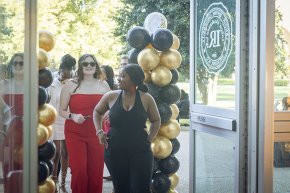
{"points": [[177, 13], [281, 68]]}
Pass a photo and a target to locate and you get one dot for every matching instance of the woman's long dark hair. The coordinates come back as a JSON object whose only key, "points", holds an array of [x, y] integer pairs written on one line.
{"points": [[80, 73], [110, 75]]}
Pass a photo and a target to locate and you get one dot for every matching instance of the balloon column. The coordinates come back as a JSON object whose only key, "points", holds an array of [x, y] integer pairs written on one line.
{"points": [[46, 116], [155, 50]]}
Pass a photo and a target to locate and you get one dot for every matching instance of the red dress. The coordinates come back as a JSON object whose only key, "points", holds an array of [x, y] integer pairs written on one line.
{"points": [[86, 155], [12, 147]]}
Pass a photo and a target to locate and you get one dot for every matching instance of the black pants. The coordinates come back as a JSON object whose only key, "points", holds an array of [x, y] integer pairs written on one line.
{"points": [[131, 173]]}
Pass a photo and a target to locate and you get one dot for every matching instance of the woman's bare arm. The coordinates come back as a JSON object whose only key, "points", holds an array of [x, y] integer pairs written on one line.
{"points": [[154, 117]]}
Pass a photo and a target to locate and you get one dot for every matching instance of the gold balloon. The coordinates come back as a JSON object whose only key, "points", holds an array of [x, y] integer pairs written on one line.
{"points": [[42, 134], [42, 59], [46, 114], [50, 131], [161, 147], [161, 76], [172, 191], [175, 111], [171, 59], [149, 46], [176, 42], [47, 187], [46, 40], [147, 76], [170, 129], [174, 179], [148, 59]]}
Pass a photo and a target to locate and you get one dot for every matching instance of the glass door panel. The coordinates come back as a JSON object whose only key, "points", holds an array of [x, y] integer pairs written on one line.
{"points": [[282, 98], [215, 53], [11, 95], [214, 164]]}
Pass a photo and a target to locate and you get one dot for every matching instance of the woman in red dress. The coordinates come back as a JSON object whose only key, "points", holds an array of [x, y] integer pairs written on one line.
{"points": [[77, 102], [11, 91]]}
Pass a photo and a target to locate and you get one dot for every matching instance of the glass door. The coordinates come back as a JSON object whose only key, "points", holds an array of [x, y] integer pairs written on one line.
{"points": [[219, 91], [18, 96]]}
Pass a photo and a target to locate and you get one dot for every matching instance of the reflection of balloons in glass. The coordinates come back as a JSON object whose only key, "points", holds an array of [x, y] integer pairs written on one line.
{"points": [[154, 21], [46, 40], [43, 60], [43, 171], [169, 165], [175, 145], [47, 114], [47, 187], [171, 59], [164, 111], [45, 77], [170, 93], [161, 183], [162, 39], [170, 129], [148, 59], [46, 151], [175, 111], [161, 147], [138, 37], [175, 76], [42, 134], [161, 76], [174, 179], [176, 42], [133, 55]]}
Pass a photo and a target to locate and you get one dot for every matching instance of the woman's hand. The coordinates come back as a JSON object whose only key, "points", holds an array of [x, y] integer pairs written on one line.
{"points": [[103, 139], [78, 118]]}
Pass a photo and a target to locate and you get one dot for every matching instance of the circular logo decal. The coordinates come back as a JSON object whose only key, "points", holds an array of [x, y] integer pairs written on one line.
{"points": [[215, 37]]}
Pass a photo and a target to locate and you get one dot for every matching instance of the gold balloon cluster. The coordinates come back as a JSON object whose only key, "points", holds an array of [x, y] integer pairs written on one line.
{"points": [[46, 113], [157, 65]]}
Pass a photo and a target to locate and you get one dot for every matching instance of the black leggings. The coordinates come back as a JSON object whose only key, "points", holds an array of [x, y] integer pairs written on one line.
{"points": [[131, 173]]}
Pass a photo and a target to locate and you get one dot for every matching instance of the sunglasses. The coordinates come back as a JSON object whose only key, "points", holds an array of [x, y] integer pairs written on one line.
{"points": [[19, 63], [86, 64]]}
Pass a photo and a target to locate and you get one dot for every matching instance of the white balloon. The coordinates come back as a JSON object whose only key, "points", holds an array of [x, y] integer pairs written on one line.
{"points": [[154, 21]]}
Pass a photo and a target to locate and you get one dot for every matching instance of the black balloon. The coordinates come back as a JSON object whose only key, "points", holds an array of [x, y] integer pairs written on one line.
{"points": [[43, 172], [45, 77], [133, 55], [46, 151], [42, 96], [175, 145], [161, 183], [138, 37], [162, 39], [164, 111], [50, 166], [175, 76], [169, 165], [154, 91], [170, 94]]}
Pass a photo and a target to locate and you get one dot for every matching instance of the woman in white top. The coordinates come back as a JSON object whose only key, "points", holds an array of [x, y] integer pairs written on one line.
{"points": [[65, 72]]}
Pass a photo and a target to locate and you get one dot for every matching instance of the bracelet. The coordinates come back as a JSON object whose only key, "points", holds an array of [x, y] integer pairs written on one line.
{"points": [[100, 131]]}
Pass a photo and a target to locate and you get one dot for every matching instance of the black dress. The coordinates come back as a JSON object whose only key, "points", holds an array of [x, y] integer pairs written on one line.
{"points": [[130, 152]]}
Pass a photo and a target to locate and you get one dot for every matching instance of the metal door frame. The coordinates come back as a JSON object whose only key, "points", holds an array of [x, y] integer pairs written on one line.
{"points": [[254, 113]]}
